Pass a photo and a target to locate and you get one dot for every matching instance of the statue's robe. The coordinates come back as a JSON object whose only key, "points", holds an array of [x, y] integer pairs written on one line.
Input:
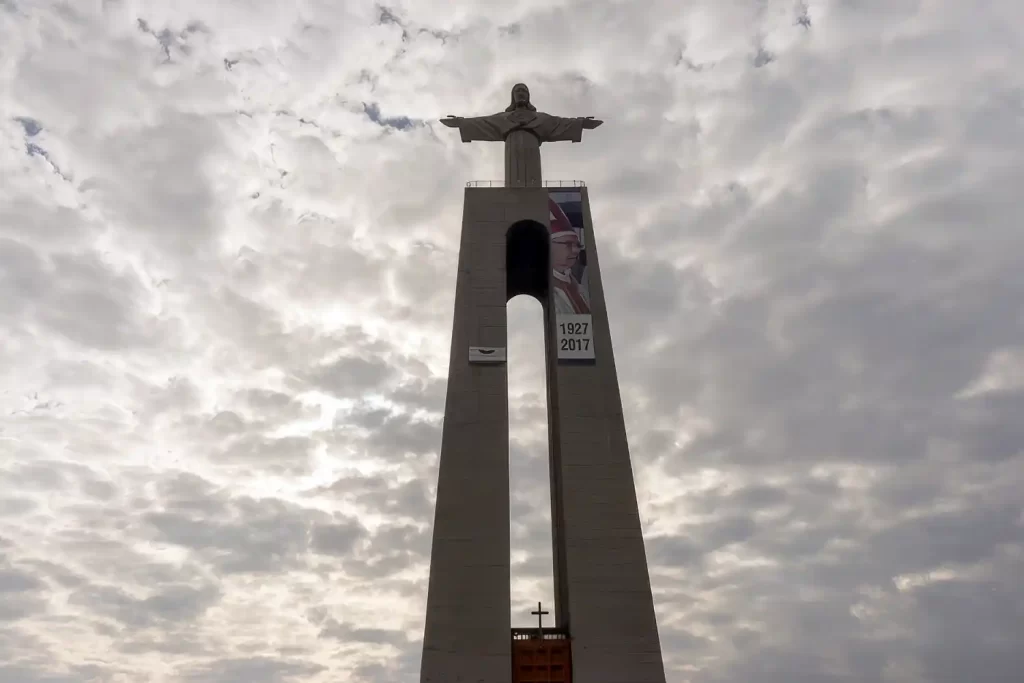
{"points": [[523, 132]]}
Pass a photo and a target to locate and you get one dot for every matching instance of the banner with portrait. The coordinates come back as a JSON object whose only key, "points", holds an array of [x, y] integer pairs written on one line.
{"points": [[570, 284]]}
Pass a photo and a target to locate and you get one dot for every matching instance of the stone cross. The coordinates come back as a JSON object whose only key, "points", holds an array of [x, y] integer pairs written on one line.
{"points": [[540, 619], [523, 129]]}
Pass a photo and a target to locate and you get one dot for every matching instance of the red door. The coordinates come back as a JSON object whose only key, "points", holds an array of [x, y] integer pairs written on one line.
{"points": [[541, 661]]}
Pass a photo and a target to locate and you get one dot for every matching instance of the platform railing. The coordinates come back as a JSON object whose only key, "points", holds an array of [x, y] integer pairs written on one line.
{"points": [[546, 183], [548, 633]]}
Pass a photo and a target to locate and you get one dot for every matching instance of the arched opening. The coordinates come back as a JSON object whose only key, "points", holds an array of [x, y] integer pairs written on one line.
{"points": [[527, 269], [529, 475], [527, 253]]}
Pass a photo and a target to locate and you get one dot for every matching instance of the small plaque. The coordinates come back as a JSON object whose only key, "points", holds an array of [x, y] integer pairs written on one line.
{"points": [[487, 354], [575, 336]]}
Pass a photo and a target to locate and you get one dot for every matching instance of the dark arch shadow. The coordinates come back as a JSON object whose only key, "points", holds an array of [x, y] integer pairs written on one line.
{"points": [[527, 254]]}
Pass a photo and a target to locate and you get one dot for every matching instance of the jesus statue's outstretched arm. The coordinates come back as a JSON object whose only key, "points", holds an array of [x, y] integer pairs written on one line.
{"points": [[483, 128], [550, 128]]}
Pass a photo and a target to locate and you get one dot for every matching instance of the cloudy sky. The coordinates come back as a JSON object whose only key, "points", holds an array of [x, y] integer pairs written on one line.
{"points": [[228, 238]]}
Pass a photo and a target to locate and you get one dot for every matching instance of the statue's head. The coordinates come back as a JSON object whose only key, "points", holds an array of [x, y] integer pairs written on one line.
{"points": [[520, 98]]}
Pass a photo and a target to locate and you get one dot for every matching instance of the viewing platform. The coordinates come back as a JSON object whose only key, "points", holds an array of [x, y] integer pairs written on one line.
{"points": [[545, 633], [546, 183]]}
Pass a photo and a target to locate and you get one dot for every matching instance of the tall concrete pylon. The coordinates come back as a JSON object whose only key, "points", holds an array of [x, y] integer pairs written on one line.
{"points": [[524, 238]]}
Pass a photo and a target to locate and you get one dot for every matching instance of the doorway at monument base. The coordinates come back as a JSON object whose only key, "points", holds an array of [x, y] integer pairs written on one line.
{"points": [[541, 656]]}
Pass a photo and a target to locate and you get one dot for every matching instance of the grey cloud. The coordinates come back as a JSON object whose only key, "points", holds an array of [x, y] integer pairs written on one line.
{"points": [[288, 453], [21, 607], [402, 434], [271, 539], [965, 537], [23, 275], [407, 537], [236, 534], [347, 633], [726, 531], [174, 604], [30, 125], [175, 395], [424, 394], [15, 506], [348, 377], [103, 490], [990, 430], [25, 674], [336, 539], [169, 642], [103, 550], [227, 423], [175, 216], [758, 496], [46, 228], [279, 404], [23, 595], [59, 574], [187, 492], [534, 566], [797, 495], [382, 495], [390, 550], [898, 359], [34, 150], [398, 439], [672, 551], [42, 475], [230, 439], [402, 668], [803, 14], [241, 319], [252, 670], [680, 643], [54, 475], [367, 417], [373, 636], [409, 499], [14, 581], [763, 57], [169, 39], [79, 296], [948, 615], [396, 122]]}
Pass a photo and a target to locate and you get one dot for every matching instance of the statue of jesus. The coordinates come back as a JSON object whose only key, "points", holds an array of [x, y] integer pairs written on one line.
{"points": [[523, 129]]}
